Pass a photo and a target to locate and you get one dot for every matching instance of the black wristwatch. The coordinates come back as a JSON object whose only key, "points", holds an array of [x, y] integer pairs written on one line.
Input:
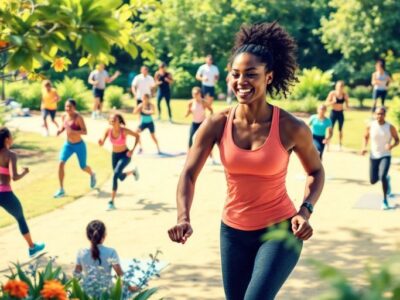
{"points": [[309, 206]]}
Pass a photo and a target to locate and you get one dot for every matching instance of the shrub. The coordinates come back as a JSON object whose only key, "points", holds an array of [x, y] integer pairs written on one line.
{"points": [[394, 87], [361, 92], [394, 111], [113, 96], [76, 89], [308, 105], [313, 82], [28, 94]]}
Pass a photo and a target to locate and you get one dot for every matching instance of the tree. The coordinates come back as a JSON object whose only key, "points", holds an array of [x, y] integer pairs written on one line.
{"points": [[35, 32]]}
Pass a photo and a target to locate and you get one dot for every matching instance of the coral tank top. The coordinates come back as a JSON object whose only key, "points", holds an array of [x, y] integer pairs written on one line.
{"points": [[256, 179]]}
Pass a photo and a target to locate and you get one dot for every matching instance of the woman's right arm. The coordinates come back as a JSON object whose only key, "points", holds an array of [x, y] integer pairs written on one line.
{"points": [[14, 170], [329, 99], [208, 135], [103, 139]]}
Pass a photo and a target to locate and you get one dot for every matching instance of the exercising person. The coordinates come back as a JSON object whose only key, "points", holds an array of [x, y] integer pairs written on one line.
{"points": [[146, 110], [8, 200], [50, 98], [74, 125], [208, 74], [339, 100], [255, 140], [163, 80], [197, 108], [319, 125], [121, 155], [380, 81], [142, 84], [99, 79], [381, 134]]}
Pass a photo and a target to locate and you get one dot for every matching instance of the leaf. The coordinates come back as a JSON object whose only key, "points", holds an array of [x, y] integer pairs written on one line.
{"points": [[83, 61], [17, 40], [19, 58], [146, 294], [94, 43], [53, 50]]}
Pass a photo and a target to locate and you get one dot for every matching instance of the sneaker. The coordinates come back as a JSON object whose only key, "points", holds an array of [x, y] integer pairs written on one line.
{"points": [[386, 205], [60, 193], [93, 181], [140, 151], [36, 249], [111, 206], [136, 173]]}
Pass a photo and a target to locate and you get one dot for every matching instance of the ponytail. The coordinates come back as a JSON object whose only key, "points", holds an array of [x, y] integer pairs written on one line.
{"points": [[121, 119], [4, 134], [95, 232]]}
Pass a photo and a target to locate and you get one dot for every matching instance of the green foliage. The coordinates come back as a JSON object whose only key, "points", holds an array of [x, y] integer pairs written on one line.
{"points": [[394, 110], [361, 92], [283, 232], [313, 82], [307, 105], [383, 282], [76, 89], [113, 96], [28, 94], [394, 87], [36, 34]]}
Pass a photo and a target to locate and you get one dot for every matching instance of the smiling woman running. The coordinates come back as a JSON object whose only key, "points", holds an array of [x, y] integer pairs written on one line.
{"points": [[255, 141]]}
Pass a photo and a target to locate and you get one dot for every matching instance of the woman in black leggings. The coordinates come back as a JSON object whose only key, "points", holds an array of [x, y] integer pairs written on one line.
{"points": [[8, 200], [163, 81], [339, 100]]}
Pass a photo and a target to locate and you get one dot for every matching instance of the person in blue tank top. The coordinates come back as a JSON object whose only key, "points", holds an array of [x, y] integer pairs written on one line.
{"points": [[146, 110], [380, 80], [319, 124]]}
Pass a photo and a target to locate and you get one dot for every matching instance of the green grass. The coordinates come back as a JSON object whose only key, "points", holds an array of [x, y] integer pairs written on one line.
{"points": [[36, 189]]}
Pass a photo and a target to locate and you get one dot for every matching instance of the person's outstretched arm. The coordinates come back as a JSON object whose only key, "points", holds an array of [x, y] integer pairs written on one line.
{"points": [[14, 170]]}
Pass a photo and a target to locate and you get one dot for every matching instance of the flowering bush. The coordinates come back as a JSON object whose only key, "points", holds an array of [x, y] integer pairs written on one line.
{"points": [[50, 283]]}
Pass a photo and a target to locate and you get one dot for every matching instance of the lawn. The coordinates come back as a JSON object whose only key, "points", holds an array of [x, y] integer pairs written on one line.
{"points": [[36, 189]]}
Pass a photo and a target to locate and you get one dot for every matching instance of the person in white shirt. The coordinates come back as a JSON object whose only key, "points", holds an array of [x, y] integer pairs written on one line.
{"points": [[208, 74], [98, 79], [142, 84], [381, 134], [380, 80]]}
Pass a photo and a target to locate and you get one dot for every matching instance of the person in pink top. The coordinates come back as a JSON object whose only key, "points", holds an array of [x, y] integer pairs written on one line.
{"points": [[255, 140], [121, 155]]}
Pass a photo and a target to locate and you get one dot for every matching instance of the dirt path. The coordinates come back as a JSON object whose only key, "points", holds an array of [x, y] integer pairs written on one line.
{"points": [[344, 236]]}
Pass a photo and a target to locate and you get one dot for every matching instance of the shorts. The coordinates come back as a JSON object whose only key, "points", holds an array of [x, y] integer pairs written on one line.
{"points": [[149, 126], [98, 93], [138, 101], [49, 112], [207, 90], [79, 148]]}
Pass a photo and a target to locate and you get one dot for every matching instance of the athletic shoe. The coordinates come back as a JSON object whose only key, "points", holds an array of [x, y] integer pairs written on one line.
{"points": [[140, 151], [386, 206], [36, 249], [111, 206], [60, 193], [93, 181], [136, 173]]}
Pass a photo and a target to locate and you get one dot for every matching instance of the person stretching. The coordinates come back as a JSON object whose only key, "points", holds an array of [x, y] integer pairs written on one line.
{"points": [[197, 108], [381, 134], [146, 110], [255, 140], [98, 259], [339, 100], [8, 200], [319, 124], [121, 155], [74, 125]]}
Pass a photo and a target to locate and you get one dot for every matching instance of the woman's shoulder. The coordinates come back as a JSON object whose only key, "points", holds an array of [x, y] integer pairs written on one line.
{"points": [[290, 123]]}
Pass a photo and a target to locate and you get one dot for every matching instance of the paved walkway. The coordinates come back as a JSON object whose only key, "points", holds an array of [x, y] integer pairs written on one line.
{"points": [[345, 237]]}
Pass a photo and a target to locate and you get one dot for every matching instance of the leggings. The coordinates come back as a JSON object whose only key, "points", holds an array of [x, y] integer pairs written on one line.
{"points": [[318, 143], [119, 162], [253, 269], [12, 205], [167, 96], [337, 115], [379, 169], [193, 128]]}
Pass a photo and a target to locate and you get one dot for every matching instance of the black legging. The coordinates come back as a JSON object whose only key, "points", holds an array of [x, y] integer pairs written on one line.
{"points": [[119, 161], [167, 95], [12, 205], [379, 169], [193, 128]]}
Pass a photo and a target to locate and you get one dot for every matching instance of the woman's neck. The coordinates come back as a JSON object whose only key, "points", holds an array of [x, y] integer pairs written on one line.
{"points": [[256, 112]]}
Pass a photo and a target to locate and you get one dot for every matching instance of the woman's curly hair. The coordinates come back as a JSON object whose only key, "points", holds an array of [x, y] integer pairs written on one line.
{"points": [[275, 48]]}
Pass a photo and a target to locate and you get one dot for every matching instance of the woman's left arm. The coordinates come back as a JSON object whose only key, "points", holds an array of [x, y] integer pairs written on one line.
{"points": [[137, 138], [308, 155]]}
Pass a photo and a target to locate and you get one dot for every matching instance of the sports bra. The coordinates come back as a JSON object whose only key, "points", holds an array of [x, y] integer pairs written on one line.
{"points": [[120, 140], [73, 125], [4, 171], [340, 100]]}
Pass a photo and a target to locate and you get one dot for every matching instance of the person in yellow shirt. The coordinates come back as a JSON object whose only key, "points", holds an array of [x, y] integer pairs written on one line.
{"points": [[50, 99]]}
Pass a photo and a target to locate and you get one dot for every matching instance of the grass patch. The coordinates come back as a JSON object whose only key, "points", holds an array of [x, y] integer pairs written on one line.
{"points": [[36, 190]]}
